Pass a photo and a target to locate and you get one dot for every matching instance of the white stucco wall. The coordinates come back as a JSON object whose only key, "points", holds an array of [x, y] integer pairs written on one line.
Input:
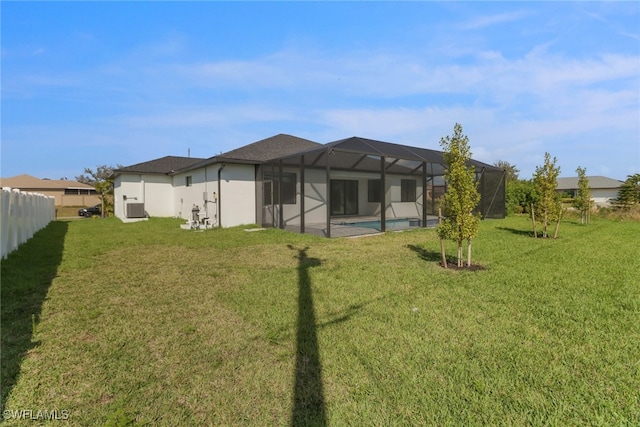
{"points": [[235, 196], [315, 194], [158, 194], [603, 197], [314, 199], [155, 191], [238, 195], [186, 196], [398, 209]]}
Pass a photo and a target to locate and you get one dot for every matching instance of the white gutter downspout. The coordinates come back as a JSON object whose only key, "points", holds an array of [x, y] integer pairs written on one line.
{"points": [[220, 195], [142, 189]]}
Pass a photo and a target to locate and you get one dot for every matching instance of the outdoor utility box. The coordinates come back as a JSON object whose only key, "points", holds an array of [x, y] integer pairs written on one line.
{"points": [[135, 210], [195, 213]]}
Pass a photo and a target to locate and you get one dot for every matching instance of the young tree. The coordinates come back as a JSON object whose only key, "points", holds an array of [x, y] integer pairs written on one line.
{"points": [[102, 181], [629, 193], [461, 197], [511, 170], [582, 201], [548, 207], [519, 196]]}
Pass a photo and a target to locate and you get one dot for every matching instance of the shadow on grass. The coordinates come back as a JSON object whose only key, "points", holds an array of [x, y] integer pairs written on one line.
{"points": [[434, 256], [27, 274], [527, 233], [427, 255], [308, 395]]}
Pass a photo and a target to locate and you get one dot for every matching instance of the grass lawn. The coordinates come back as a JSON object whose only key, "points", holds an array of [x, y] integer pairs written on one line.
{"points": [[148, 324]]}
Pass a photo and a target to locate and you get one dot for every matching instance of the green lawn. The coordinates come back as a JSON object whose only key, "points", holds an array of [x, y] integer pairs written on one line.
{"points": [[149, 324]]}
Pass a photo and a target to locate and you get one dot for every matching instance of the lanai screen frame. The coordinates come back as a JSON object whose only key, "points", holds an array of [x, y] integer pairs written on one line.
{"points": [[365, 156]]}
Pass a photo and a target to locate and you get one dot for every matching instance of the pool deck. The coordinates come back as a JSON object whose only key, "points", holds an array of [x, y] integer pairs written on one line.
{"points": [[338, 229]]}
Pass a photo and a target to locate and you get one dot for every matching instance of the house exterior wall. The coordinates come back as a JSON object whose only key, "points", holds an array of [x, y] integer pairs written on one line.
{"points": [[237, 195], [599, 196], [74, 199], [61, 199], [189, 191], [398, 209], [155, 191], [157, 195], [65, 192], [603, 196], [315, 204], [234, 197], [316, 192]]}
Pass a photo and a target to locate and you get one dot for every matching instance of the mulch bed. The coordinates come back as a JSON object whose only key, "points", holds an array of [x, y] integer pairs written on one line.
{"points": [[451, 265]]}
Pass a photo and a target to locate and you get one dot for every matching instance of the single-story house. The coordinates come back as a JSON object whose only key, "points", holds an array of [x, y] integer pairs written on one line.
{"points": [[603, 190], [66, 192], [293, 183]]}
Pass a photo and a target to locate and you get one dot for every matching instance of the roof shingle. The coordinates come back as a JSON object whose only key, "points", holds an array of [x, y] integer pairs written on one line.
{"points": [[164, 165], [260, 151]]}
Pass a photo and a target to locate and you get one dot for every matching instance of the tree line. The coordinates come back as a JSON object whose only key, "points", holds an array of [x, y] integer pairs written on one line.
{"points": [[537, 196], [523, 195]]}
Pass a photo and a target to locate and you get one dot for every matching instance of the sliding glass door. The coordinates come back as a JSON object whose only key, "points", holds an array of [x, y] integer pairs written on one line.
{"points": [[344, 197]]}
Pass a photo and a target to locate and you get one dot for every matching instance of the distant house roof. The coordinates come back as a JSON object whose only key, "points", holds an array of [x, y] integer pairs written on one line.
{"points": [[164, 165], [595, 182], [27, 182]]}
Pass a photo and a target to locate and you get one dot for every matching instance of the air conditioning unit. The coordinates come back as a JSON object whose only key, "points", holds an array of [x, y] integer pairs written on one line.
{"points": [[135, 210]]}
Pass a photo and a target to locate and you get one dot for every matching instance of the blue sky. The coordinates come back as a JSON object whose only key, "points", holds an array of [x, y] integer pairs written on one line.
{"points": [[86, 84]]}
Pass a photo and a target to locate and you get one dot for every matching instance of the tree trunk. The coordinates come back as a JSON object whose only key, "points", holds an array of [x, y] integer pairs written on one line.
{"points": [[460, 263], [533, 220], [444, 257], [442, 253], [469, 253], [555, 233]]}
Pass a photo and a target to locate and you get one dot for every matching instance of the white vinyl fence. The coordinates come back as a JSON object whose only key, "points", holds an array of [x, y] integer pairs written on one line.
{"points": [[21, 215]]}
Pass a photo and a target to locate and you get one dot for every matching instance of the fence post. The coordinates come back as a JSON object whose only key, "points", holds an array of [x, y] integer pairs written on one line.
{"points": [[5, 206]]}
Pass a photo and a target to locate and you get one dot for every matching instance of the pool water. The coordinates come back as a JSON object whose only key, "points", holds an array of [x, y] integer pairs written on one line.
{"points": [[396, 223]]}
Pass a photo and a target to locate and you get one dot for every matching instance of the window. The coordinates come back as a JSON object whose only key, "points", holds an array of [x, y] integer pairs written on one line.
{"points": [[79, 191], [188, 181], [375, 188], [408, 190], [287, 190]]}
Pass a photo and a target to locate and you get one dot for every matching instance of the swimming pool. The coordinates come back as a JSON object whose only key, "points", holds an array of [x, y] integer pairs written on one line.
{"points": [[392, 224]]}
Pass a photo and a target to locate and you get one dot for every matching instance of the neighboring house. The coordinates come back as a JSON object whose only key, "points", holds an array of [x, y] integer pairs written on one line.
{"points": [[66, 192], [289, 182], [603, 190]]}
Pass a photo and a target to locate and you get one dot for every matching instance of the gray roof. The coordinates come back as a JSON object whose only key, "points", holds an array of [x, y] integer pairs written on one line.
{"points": [[270, 148], [260, 151], [363, 154], [164, 165], [358, 153], [571, 183]]}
